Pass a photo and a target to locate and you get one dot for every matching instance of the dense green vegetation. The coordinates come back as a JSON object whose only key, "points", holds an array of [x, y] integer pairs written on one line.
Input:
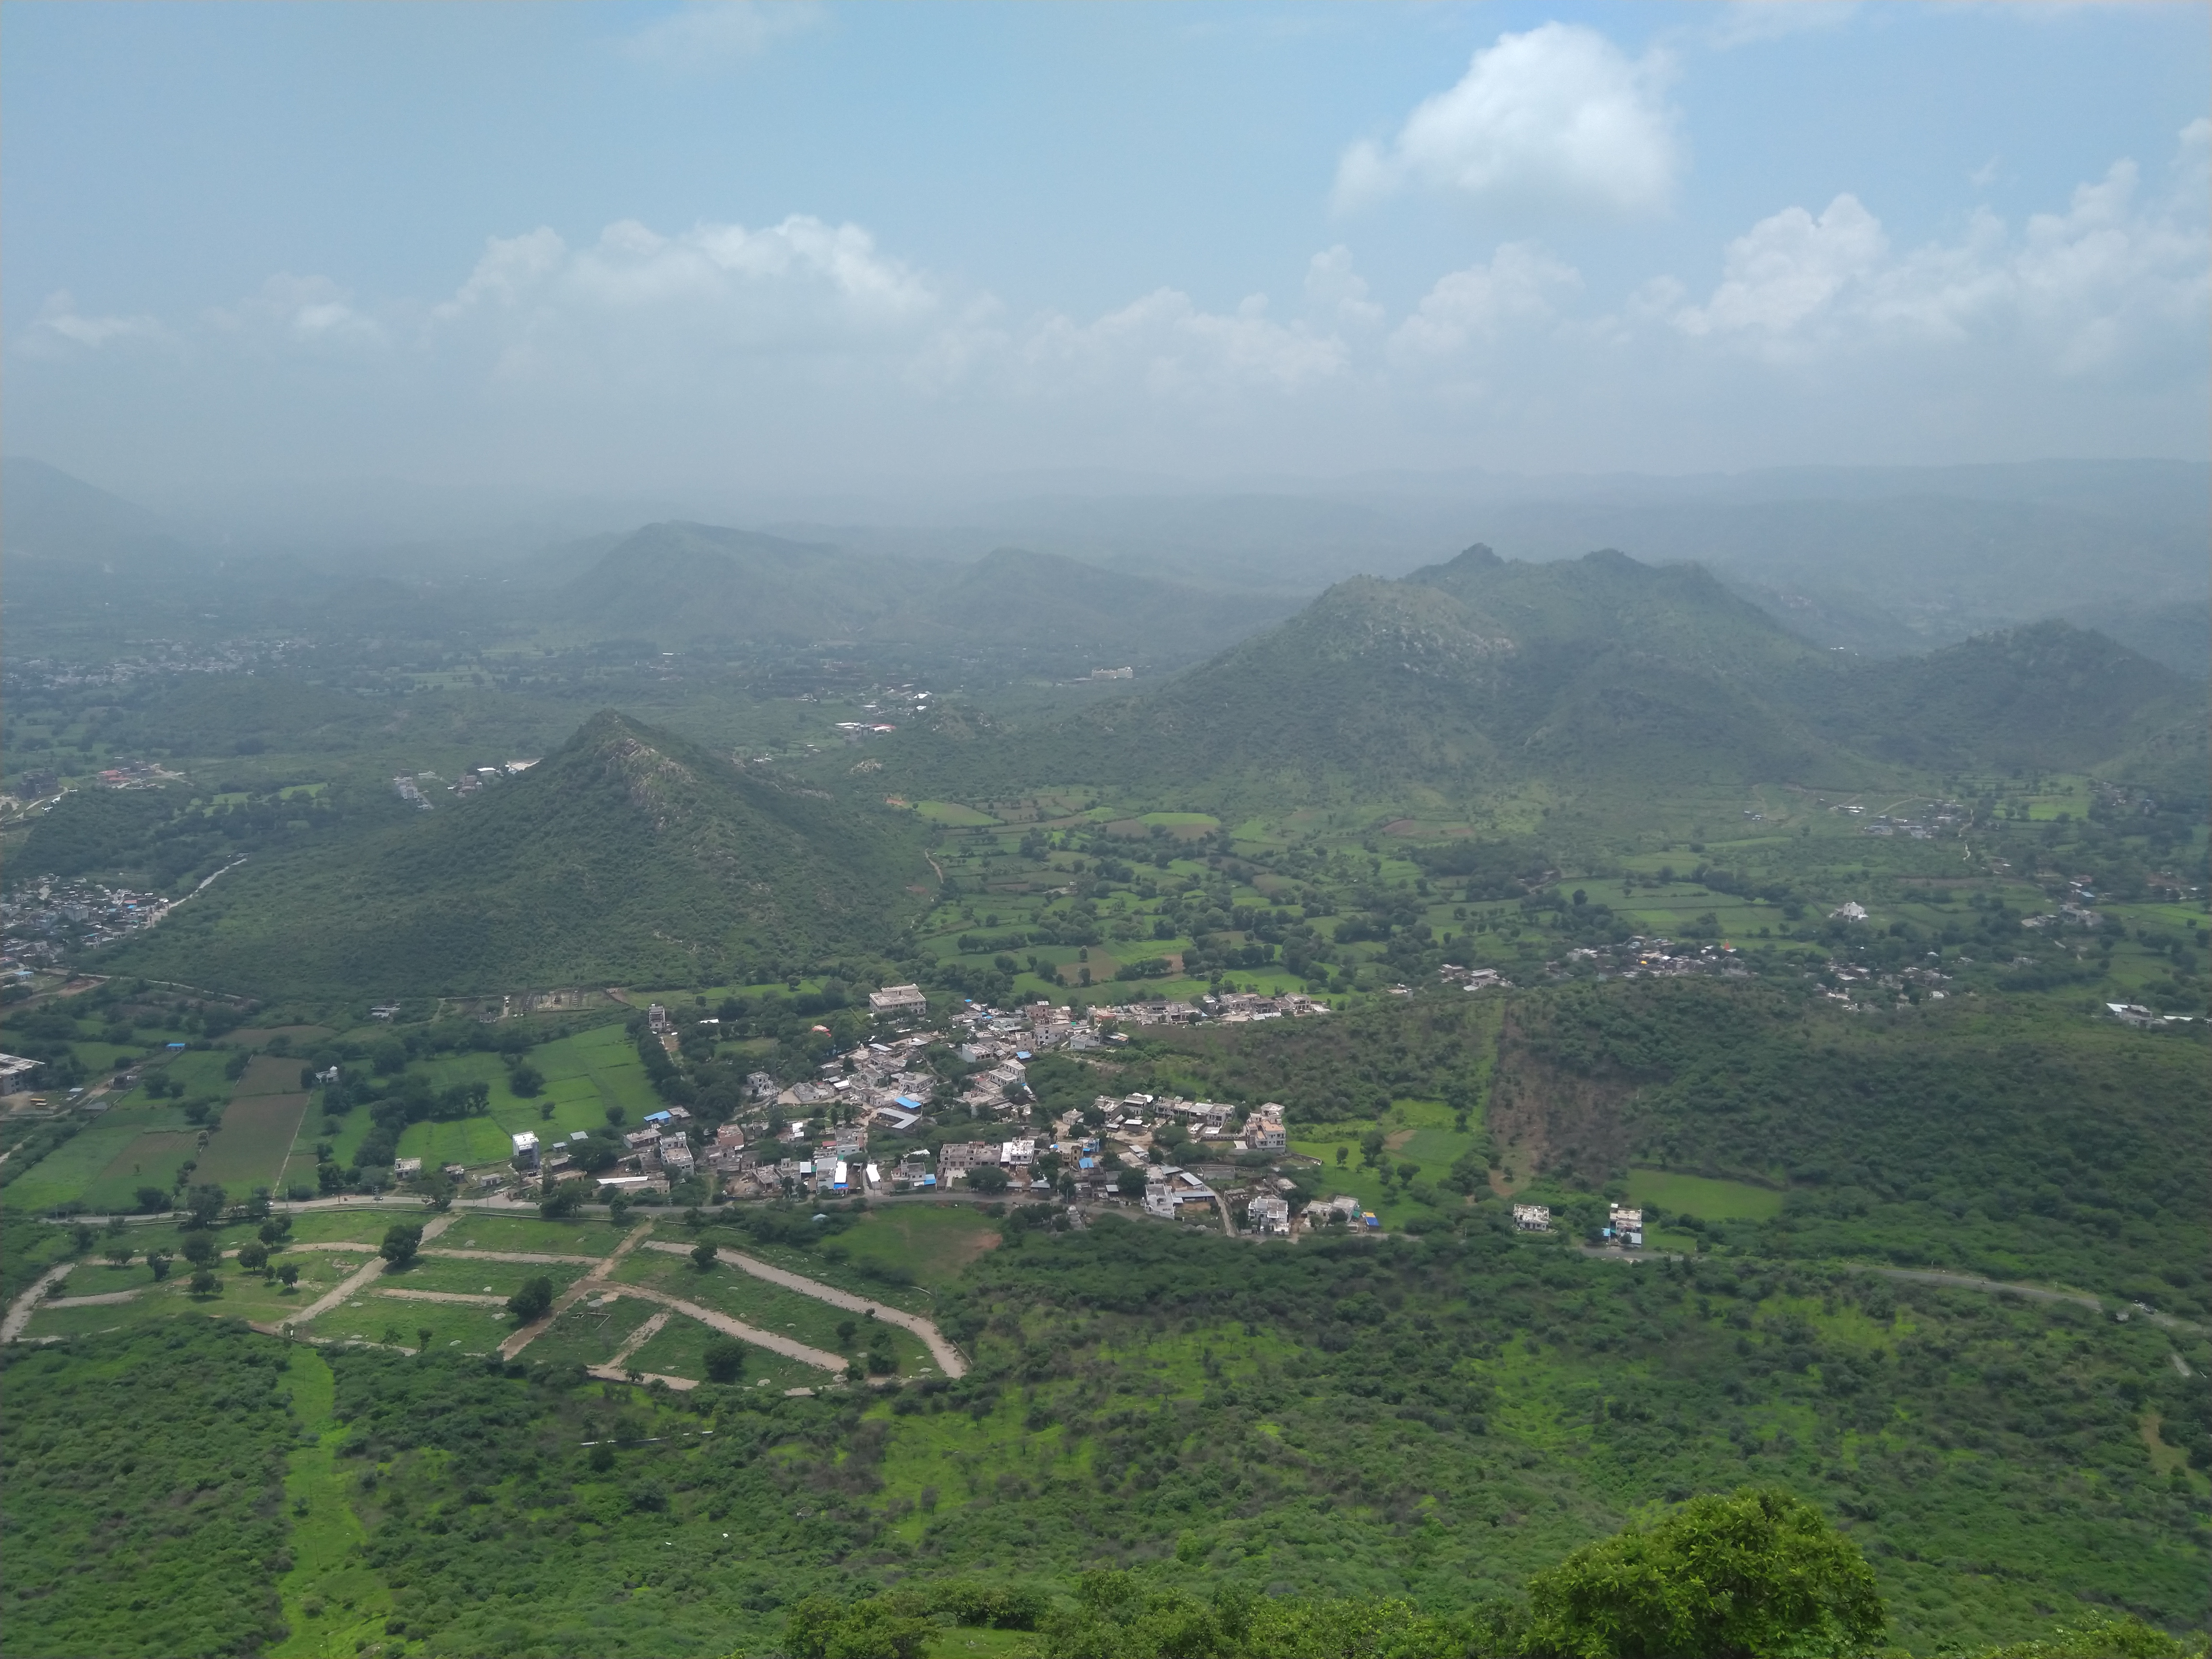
{"points": [[1483, 671], [142, 1494], [1412, 1435], [628, 854]]}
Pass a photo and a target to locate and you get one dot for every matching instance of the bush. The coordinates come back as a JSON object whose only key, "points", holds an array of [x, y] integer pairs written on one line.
{"points": [[1756, 1572], [532, 1301], [725, 1360]]}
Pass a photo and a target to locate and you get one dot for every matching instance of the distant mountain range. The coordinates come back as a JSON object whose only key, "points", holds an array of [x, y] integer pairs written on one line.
{"points": [[1483, 671], [629, 856], [1885, 561], [684, 583]]}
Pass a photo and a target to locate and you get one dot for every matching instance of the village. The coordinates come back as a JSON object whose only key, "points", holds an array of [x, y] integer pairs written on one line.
{"points": [[851, 1132]]}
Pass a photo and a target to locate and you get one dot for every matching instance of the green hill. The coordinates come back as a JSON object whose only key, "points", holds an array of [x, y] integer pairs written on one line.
{"points": [[1593, 672], [628, 854], [2050, 697]]}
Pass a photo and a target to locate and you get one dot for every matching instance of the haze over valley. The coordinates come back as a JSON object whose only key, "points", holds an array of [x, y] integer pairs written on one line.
{"points": [[1105, 831]]}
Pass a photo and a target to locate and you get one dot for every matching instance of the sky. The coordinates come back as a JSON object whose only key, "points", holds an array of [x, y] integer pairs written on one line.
{"points": [[617, 246]]}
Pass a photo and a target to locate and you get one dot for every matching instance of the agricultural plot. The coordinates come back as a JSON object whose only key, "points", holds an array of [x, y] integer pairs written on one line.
{"points": [[1711, 1201], [266, 1075], [152, 1159], [256, 1138], [63, 1174]]}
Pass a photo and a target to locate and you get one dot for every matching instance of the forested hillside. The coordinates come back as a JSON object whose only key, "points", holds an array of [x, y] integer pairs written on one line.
{"points": [[629, 854]]}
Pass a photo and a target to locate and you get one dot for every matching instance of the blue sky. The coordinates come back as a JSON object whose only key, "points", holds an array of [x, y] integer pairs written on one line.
{"points": [[647, 246]]}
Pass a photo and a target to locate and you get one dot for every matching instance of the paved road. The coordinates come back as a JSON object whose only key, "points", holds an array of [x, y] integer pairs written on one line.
{"points": [[949, 1358]]}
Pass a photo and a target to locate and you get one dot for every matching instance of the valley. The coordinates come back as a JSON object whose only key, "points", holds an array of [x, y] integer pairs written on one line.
{"points": [[930, 1137]]}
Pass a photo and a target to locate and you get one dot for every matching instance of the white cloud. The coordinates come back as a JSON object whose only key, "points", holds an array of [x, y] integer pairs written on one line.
{"points": [[60, 328], [1750, 23], [1333, 285], [712, 33], [1165, 343], [1557, 118], [800, 285], [301, 311], [1788, 270], [2113, 279], [1514, 293]]}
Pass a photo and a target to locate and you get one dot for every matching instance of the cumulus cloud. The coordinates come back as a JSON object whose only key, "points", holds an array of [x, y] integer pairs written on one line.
{"points": [[1172, 348], [718, 33], [2114, 278], [1514, 292], [301, 311], [1557, 118], [61, 328], [806, 344], [797, 286], [1332, 285]]}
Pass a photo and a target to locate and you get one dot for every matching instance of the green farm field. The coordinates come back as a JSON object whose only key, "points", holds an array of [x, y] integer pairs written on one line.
{"points": [[256, 1138], [1700, 1195]]}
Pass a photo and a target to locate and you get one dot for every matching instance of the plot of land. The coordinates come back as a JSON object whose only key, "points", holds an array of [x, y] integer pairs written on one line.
{"points": [[256, 1137], [265, 1074], [1698, 1195], [65, 1172], [772, 1309], [150, 1160], [677, 1349], [935, 1242]]}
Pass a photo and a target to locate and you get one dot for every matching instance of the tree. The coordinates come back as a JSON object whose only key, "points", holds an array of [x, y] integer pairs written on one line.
{"points": [[1755, 1573], [1370, 1147], [702, 1255], [421, 1339], [151, 1200], [288, 1274], [400, 1243], [987, 1178], [159, 1261], [1343, 1156], [725, 1360], [253, 1257], [204, 1283], [532, 1302], [525, 1079], [120, 1256], [560, 1203], [205, 1202], [198, 1249], [1130, 1183]]}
